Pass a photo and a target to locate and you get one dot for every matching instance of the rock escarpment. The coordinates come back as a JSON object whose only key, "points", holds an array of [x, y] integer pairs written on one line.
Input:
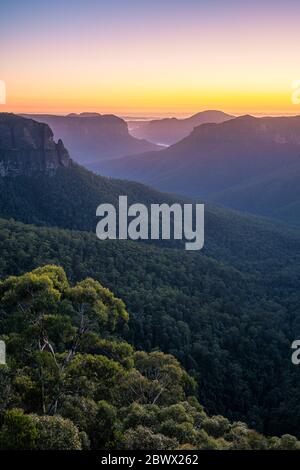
{"points": [[92, 138], [27, 147]]}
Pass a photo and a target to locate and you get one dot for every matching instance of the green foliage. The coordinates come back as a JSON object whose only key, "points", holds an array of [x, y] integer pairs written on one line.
{"points": [[105, 432], [228, 315], [230, 328], [82, 411], [145, 439], [56, 433], [217, 426], [5, 381], [286, 442], [19, 431], [81, 391], [45, 317], [32, 432]]}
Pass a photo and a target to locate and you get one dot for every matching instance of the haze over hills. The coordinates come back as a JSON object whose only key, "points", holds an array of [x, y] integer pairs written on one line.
{"points": [[215, 310], [118, 330], [91, 137], [68, 195], [170, 130], [276, 195], [248, 164], [228, 313], [216, 160]]}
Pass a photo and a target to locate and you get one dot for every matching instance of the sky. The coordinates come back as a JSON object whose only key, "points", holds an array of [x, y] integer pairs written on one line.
{"points": [[158, 57]]}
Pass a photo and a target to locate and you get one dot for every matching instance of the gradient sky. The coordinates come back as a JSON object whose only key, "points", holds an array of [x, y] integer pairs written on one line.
{"points": [[150, 57]]}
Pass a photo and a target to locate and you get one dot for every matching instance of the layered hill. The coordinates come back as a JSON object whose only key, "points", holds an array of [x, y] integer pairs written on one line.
{"points": [[228, 313], [68, 196], [91, 137], [216, 160], [276, 195], [170, 130]]}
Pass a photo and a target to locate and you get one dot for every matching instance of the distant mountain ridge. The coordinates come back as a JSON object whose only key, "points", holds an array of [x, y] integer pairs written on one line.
{"points": [[168, 131], [92, 137], [247, 163], [68, 198], [232, 304], [216, 159], [29, 154]]}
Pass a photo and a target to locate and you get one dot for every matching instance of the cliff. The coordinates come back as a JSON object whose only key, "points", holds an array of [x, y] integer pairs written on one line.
{"points": [[92, 137], [27, 147]]}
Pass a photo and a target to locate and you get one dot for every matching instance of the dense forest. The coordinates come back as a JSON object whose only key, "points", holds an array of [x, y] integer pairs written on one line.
{"points": [[128, 321], [72, 382], [231, 329], [69, 200], [228, 314]]}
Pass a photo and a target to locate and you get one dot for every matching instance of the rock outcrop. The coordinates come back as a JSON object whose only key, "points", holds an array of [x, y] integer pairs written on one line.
{"points": [[92, 137], [27, 147]]}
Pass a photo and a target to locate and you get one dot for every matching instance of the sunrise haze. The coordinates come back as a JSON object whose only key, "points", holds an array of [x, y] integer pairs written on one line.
{"points": [[128, 57]]}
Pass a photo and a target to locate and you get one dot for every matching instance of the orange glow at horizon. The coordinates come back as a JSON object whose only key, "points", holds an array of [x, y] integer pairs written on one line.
{"points": [[158, 102], [185, 66]]}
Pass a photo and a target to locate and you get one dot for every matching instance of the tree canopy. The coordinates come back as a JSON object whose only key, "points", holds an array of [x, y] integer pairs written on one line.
{"points": [[72, 382]]}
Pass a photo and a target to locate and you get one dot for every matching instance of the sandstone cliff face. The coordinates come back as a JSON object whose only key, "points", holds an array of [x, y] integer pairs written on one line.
{"points": [[27, 147], [92, 138]]}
